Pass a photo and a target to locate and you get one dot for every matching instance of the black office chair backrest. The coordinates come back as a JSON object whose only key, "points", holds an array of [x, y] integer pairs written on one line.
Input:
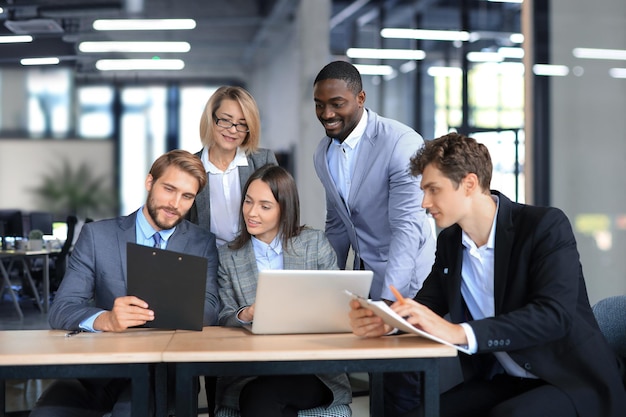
{"points": [[71, 228]]}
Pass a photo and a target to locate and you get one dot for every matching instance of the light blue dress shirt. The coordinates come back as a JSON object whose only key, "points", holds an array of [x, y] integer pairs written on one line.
{"points": [[341, 157]]}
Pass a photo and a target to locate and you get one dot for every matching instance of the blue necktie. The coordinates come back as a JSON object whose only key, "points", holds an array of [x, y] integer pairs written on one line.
{"points": [[157, 240]]}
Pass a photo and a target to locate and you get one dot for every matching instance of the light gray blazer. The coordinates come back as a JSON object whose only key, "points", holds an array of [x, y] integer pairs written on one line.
{"points": [[96, 271], [237, 278], [383, 219], [200, 212]]}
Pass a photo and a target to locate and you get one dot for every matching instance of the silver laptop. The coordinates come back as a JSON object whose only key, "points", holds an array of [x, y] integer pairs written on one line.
{"points": [[306, 301]]}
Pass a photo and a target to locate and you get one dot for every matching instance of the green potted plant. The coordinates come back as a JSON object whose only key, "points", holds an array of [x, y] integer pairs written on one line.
{"points": [[69, 189], [35, 239]]}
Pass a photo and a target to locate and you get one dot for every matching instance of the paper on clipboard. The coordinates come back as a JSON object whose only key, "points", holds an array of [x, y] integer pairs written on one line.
{"points": [[390, 317]]}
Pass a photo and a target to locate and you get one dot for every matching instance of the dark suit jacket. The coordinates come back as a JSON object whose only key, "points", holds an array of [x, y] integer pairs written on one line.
{"points": [[200, 212], [96, 271], [543, 319]]}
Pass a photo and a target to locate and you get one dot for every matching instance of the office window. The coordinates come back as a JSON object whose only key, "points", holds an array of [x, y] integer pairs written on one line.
{"points": [[142, 140], [48, 103], [95, 112], [192, 102]]}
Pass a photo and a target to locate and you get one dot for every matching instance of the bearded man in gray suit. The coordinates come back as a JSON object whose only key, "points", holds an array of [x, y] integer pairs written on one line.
{"points": [[93, 294]]}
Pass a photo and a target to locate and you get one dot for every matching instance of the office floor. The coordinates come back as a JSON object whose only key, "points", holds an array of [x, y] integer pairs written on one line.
{"points": [[21, 395]]}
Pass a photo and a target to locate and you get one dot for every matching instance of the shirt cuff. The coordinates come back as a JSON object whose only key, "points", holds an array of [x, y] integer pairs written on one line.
{"points": [[237, 316], [87, 324], [472, 344]]}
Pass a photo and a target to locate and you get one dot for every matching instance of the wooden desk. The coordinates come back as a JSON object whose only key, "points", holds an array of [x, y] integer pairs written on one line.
{"points": [[229, 351], [26, 354], [23, 256]]}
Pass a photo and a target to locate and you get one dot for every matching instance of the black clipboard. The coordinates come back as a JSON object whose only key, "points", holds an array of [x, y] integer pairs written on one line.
{"points": [[172, 283]]}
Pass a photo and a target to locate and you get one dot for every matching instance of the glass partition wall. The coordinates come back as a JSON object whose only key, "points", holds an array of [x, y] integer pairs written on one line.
{"points": [[444, 66]]}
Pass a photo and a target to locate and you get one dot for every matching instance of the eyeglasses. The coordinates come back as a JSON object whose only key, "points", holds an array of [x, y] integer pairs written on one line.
{"points": [[239, 127]]}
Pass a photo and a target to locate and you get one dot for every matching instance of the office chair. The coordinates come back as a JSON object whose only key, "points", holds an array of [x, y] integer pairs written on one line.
{"points": [[60, 259], [341, 410], [610, 314]]}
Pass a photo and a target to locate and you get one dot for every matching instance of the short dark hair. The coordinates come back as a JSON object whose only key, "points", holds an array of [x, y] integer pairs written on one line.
{"points": [[285, 192], [455, 155], [342, 70], [184, 161]]}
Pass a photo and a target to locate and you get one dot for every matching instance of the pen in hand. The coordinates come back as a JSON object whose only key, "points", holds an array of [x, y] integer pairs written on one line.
{"points": [[397, 294]]}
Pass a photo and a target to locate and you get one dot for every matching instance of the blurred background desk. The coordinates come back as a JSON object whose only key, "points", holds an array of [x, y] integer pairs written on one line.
{"points": [[22, 258], [234, 351]]}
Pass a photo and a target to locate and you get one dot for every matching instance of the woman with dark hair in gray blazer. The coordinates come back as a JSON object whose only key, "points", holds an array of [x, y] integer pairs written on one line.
{"points": [[271, 237], [230, 130]]}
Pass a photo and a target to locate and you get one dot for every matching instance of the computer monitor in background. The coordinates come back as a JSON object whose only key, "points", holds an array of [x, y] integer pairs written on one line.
{"points": [[13, 223], [41, 220]]}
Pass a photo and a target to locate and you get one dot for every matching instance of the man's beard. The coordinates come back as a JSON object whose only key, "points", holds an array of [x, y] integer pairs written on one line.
{"points": [[153, 211]]}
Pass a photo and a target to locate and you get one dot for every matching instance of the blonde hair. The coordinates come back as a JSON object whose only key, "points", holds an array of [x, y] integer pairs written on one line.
{"points": [[250, 113]]}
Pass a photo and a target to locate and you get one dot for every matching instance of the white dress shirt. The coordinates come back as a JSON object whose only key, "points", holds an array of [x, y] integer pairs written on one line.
{"points": [[477, 288], [225, 196]]}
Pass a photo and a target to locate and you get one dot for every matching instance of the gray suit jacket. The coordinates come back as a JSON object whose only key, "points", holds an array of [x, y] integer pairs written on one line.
{"points": [[96, 271], [200, 212], [383, 220], [237, 277]]}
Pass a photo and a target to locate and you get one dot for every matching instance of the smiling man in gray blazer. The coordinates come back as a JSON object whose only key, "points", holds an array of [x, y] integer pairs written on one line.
{"points": [[93, 294], [372, 201]]}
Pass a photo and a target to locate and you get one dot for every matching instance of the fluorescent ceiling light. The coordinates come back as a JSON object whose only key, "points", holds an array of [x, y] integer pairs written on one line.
{"points": [[617, 72], [139, 64], [435, 35], [484, 57], [16, 39], [144, 24], [407, 67], [594, 53], [374, 69], [158, 47], [508, 52], [444, 71], [516, 38], [40, 61], [550, 70], [371, 53]]}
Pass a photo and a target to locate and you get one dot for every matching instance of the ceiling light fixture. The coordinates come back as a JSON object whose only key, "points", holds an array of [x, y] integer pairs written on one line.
{"points": [[595, 53], [158, 47], [374, 69], [444, 71], [435, 35], [509, 52], [617, 72], [16, 39], [550, 70], [516, 38], [144, 24], [484, 57], [139, 64], [40, 61], [372, 53]]}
